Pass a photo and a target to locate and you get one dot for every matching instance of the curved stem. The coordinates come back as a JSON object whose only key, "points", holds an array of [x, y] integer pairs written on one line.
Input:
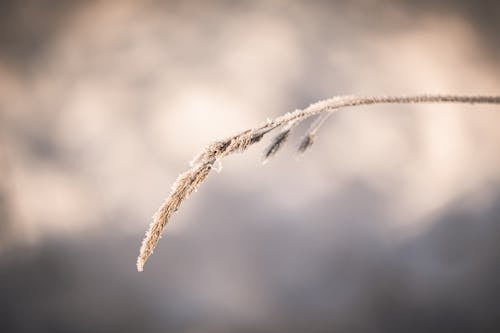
{"points": [[190, 180]]}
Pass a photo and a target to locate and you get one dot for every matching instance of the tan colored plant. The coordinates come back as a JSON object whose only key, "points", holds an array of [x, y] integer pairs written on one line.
{"points": [[202, 164]]}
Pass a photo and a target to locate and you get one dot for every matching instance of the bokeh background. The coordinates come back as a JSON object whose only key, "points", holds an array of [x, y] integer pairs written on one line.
{"points": [[390, 223]]}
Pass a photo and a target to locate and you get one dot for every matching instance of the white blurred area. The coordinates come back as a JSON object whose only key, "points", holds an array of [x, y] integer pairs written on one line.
{"points": [[124, 95]]}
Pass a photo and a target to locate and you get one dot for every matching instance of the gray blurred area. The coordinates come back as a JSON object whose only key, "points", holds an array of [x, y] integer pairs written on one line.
{"points": [[391, 223]]}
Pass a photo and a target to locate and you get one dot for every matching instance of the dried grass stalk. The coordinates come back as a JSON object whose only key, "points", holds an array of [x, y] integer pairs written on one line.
{"points": [[202, 164]]}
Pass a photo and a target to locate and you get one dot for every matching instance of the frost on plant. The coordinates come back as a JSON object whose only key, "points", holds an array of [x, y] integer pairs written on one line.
{"points": [[210, 157]]}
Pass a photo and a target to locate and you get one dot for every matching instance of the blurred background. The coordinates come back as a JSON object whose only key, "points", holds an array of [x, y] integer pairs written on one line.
{"points": [[390, 223]]}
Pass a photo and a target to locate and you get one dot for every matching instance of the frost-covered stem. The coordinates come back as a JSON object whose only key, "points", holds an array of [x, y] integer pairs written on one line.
{"points": [[190, 180], [345, 101]]}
